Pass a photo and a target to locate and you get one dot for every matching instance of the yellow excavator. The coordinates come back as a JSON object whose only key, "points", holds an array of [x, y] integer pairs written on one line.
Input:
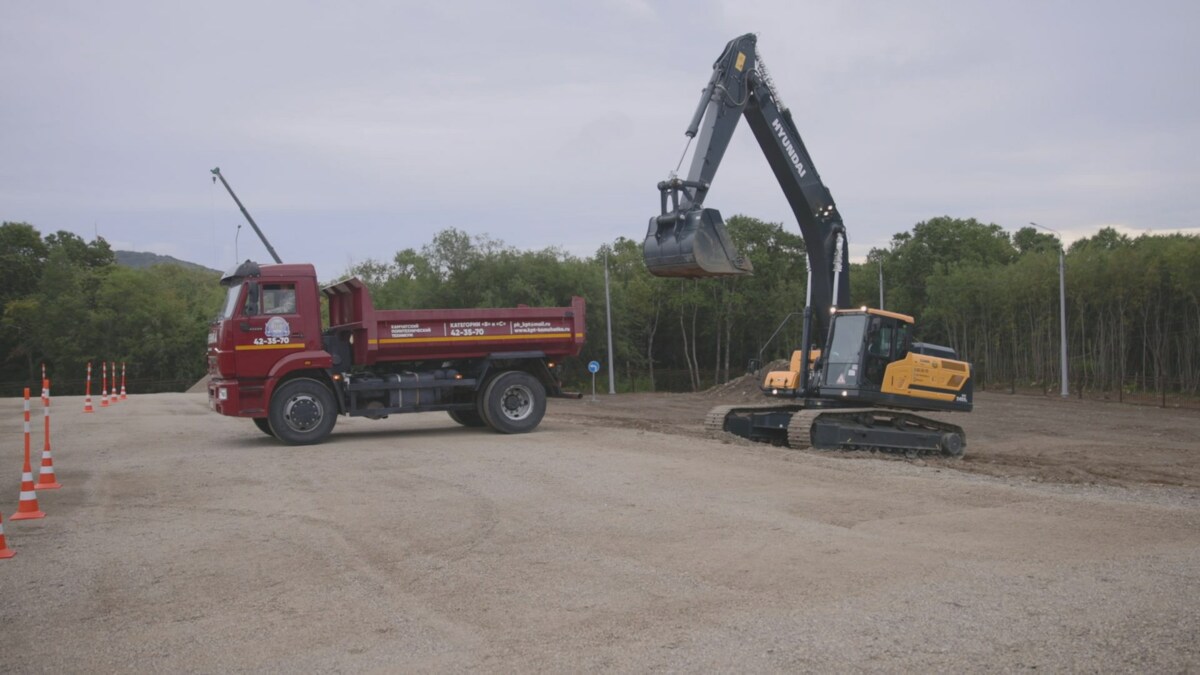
{"points": [[861, 388]]}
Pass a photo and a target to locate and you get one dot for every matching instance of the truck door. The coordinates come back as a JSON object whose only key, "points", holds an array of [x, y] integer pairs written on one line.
{"points": [[264, 327]]}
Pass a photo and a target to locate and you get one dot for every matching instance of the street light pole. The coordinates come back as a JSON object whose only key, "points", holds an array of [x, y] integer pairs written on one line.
{"points": [[1062, 307], [612, 381], [880, 282]]}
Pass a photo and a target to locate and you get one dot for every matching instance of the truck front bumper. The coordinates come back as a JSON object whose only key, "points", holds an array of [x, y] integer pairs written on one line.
{"points": [[236, 399]]}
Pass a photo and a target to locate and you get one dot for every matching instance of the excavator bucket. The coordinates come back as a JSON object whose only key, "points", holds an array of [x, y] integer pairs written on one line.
{"points": [[692, 244]]}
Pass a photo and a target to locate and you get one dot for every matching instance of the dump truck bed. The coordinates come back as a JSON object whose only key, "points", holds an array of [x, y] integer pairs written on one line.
{"points": [[381, 336]]}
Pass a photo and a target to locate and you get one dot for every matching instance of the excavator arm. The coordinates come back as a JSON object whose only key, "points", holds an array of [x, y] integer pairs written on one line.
{"points": [[689, 240]]}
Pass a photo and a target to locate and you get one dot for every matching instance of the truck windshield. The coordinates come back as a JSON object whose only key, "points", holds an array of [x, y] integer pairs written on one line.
{"points": [[231, 301]]}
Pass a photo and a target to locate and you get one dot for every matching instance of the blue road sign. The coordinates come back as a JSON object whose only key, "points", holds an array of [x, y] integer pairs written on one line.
{"points": [[593, 367]]}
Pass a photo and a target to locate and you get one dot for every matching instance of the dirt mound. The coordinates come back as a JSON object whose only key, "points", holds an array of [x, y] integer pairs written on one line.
{"points": [[200, 387], [746, 386]]}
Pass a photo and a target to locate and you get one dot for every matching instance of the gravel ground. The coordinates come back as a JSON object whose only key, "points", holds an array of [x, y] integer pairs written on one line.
{"points": [[183, 540]]}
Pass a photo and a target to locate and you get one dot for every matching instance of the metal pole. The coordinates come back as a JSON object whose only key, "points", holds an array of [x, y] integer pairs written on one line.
{"points": [[1062, 315], [881, 283], [1062, 307], [612, 387]]}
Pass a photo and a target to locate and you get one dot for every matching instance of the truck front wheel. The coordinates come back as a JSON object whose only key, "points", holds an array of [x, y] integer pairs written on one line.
{"points": [[302, 412], [514, 402], [263, 425]]}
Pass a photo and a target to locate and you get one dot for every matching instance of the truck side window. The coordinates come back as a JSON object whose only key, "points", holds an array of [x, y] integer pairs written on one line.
{"points": [[279, 299]]}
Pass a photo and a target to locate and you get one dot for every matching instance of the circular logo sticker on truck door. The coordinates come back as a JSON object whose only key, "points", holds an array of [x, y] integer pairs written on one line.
{"points": [[277, 327]]}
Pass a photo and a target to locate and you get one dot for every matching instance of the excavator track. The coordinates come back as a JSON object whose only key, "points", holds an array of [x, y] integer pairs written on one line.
{"points": [[766, 423], [800, 429], [714, 421], [872, 429], [885, 430]]}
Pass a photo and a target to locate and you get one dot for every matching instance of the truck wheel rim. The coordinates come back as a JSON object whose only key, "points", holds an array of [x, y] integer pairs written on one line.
{"points": [[517, 402], [303, 413]]}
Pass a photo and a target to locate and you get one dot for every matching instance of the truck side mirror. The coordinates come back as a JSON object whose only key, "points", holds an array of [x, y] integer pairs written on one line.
{"points": [[251, 307]]}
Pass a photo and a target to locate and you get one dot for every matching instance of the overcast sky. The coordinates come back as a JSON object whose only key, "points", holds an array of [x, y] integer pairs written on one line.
{"points": [[353, 130]]}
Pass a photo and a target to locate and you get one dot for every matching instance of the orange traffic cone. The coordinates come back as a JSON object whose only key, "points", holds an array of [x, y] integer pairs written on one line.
{"points": [[104, 384], [27, 508], [87, 401], [5, 551], [123, 396], [46, 479]]}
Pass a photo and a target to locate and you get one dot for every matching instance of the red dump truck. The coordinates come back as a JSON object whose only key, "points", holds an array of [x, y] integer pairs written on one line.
{"points": [[270, 359]]}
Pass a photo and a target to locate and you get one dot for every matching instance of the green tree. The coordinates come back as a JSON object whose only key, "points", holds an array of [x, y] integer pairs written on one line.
{"points": [[940, 244], [22, 258], [1029, 240]]}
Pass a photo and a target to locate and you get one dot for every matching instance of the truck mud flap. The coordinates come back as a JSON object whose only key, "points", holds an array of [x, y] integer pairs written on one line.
{"points": [[692, 245]]}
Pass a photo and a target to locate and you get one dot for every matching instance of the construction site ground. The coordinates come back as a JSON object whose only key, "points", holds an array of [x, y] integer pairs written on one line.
{"points": [[618, 536]]}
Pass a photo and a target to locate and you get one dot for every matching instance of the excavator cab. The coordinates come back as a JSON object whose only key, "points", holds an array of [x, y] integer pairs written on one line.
{"points": [[690, 242], [863, 344], [872, 358]]}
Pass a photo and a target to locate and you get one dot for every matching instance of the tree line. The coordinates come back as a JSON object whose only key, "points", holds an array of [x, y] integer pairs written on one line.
{"points": [[66, 302], [1133, 305]]}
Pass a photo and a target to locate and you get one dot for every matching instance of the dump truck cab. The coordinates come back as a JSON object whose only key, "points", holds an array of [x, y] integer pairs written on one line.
{"points": [[270, 325]]}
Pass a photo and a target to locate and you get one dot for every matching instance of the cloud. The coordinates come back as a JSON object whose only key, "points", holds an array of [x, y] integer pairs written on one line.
{"points": [[355, 130]]}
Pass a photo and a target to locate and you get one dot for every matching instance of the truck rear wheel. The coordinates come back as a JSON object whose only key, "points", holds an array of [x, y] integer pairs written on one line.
{"points": [[514, 402], [302, 412], [467, 418]]}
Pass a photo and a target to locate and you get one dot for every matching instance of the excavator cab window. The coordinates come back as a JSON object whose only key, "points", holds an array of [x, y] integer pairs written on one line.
{"points": [[903, 340], [845, 351], [881, 336]]}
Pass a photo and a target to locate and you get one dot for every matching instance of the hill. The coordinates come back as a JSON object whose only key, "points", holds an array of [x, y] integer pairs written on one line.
{"points": [[143, 259]]}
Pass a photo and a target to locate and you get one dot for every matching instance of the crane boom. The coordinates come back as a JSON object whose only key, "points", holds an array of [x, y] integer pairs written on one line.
{"points": [[270, 249]]}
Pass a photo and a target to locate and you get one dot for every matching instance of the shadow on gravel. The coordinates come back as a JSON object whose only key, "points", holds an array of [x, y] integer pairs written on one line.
{"points": [[257, 440]]}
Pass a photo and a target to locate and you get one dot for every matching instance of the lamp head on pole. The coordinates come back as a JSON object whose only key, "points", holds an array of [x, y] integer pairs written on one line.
{"points": [[1057, 235]]}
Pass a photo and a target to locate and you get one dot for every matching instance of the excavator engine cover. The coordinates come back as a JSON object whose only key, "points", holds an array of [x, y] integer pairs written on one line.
{"points": [[692, 244]]}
